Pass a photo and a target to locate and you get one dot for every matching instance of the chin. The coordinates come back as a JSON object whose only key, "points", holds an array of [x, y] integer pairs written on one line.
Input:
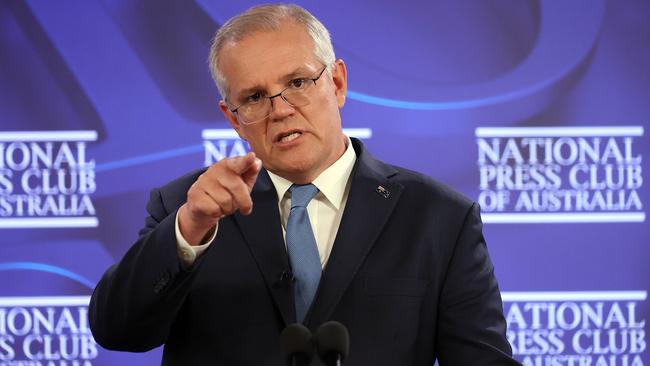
{"points": [[295, 169]]}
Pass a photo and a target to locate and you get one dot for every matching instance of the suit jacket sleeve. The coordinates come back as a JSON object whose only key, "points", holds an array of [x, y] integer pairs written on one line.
{"points": [[135, 303], [471, 323]]}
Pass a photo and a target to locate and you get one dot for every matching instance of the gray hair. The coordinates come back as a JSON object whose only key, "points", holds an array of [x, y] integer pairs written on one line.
{"points": [[268, 17]]}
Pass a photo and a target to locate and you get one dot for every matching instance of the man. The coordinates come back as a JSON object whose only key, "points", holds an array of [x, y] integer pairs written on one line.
{"points": [[228, 257]]}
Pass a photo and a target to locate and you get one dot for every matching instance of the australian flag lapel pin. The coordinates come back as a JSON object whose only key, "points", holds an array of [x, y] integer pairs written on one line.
{"points": [[382, 191]]}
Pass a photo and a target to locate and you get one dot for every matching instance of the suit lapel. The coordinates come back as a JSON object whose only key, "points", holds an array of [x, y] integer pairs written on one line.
{"points": [[262, 231], [370, 203]]}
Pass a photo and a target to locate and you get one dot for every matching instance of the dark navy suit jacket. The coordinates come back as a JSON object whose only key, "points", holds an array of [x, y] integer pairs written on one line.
{"points": [[409, 275]]}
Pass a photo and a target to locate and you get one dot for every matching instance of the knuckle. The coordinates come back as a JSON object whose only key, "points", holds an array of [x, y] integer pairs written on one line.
{"points": [[225, 202]]}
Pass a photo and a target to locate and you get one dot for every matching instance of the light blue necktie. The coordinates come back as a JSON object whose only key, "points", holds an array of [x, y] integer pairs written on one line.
{"points": [[302, 249]]}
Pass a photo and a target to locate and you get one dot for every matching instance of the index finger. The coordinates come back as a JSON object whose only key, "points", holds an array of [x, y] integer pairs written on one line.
{"points": [[240, 164]]}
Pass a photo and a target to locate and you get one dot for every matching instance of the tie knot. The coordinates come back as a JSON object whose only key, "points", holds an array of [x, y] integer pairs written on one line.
{"points": [[301, 194]]}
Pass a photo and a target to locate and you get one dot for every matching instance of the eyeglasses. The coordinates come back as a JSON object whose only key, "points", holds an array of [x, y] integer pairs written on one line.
{"points": [[257, 106]]}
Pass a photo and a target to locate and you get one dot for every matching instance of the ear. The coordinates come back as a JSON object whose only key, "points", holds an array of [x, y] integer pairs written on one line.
{"points": [[232, 119], [340, 78]]}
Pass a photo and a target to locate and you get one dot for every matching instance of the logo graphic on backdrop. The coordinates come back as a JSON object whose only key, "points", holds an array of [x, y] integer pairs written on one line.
{"points": [[223, 143], [560, 174], [46, 179], [46, 331], [577, 328]]}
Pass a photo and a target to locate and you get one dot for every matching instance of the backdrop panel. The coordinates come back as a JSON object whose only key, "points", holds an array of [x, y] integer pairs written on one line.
{"points": [[535, 109]]}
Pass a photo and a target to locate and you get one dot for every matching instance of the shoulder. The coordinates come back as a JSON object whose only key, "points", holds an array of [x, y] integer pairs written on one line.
{"points": [[182, 183], [417, 191], [174, 193], [424, 191]]}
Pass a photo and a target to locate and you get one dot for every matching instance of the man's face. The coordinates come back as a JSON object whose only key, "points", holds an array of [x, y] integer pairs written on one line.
{"points": [[297, 143]]}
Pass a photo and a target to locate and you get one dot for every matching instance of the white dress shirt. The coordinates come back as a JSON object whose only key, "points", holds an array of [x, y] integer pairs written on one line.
{"points": [[325, 209]]}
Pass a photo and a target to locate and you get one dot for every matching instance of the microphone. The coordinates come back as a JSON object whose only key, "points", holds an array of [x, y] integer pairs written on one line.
{"points": [[333, 342], [297, 345]]}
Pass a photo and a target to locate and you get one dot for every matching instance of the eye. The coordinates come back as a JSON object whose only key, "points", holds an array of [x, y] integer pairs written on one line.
{"points": [[253, 98], [300, 83]]}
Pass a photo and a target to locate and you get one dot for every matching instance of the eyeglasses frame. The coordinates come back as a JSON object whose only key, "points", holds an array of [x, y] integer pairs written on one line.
{"points": [[235, 110]]}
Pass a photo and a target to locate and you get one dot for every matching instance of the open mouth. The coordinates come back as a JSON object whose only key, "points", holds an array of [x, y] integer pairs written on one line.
{"points": [[289, 136]]}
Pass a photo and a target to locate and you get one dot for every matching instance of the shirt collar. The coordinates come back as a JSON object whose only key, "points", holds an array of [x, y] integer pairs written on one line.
{"points": [[331, 182]]}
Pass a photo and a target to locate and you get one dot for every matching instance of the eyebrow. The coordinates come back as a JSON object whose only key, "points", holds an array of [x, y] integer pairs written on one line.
{"points": [[302, 71]]}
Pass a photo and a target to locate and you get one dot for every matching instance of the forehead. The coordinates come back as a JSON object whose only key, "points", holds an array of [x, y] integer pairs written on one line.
{"points": [[264, 58]]}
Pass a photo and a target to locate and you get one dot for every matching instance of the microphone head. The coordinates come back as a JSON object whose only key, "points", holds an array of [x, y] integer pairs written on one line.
{"points": [[296, 343], [333, 342]]}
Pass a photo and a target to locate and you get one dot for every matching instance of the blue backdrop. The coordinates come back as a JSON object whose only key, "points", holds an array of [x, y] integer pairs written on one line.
{"points": [[536, 109]]}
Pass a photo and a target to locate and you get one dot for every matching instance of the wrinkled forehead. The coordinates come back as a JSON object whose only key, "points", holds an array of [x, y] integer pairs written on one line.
{"points": [[265, 58]]}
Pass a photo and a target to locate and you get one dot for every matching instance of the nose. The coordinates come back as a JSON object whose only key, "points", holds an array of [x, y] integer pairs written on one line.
{"points": [[280, 107]]}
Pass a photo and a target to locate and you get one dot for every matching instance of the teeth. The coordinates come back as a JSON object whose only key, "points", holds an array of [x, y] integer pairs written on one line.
{"points": [[290, 137]]}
